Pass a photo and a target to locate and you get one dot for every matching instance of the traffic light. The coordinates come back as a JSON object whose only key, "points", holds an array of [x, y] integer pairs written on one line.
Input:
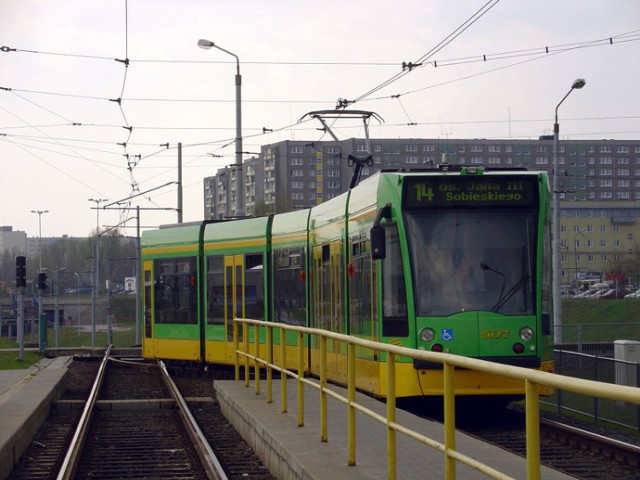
{"points": [[42, 281], [21, 271]]}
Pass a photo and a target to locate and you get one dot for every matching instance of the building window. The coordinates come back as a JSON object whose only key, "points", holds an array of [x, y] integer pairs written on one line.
{"points": [[606, 195], [622, 149], [476, 160], [297, 149], [428, 148], [606, 160], [542, 160], [333, 185], [411, 159], [297, 185], [493, 148], [411, 148], [297, 161], [605, 149], [476, 149], [493, 160], [622, 195], [606, 183], [605, 172], [361, 148]]}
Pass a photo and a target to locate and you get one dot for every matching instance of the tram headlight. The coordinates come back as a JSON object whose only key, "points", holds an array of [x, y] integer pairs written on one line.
{"points": [[526, 334], [427, 335]]}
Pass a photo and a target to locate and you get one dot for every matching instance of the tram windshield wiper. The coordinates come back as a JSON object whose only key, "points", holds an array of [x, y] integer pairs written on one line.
{"points": [[507, 296], [500, 300]]}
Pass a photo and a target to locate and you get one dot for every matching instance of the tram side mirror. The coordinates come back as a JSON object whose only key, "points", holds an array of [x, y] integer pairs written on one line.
{"points": [[378, 243]]}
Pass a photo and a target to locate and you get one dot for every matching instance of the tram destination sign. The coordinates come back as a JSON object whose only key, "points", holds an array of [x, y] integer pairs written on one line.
{"points": [[471, 191]]}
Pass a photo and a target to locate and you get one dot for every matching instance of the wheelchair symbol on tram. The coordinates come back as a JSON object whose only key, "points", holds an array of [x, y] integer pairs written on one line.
{"points": [[447, 334]]}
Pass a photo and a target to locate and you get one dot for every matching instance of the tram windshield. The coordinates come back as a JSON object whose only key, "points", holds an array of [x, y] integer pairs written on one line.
{"points": [[472, 260]]}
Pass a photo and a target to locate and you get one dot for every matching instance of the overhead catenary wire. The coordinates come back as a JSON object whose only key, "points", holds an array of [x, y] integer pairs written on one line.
{"points": [[129, 143]]}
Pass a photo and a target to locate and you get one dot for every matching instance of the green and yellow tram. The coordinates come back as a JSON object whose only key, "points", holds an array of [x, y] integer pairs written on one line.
{"points": [[454, 259]]}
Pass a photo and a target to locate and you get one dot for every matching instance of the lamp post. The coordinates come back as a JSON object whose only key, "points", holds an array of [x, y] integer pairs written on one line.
{"points": [[40, 328], [96, 270], [557, 273], [77, 300], [207, 44]]}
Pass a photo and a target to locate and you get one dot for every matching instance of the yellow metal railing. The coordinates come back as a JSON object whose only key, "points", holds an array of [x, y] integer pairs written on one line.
{"points": [[532, 379]]}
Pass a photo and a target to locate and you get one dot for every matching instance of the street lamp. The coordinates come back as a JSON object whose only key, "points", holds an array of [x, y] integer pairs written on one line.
{"points": [[41, 339], [96, 270], [40, 213], [557, 273], [207, 44], [77, 300]]}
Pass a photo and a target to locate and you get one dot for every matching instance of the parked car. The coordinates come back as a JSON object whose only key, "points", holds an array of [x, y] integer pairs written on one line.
{"points": [[614, 294], [635, 294]]}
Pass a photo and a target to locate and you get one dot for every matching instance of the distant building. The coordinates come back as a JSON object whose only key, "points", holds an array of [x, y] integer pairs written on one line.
{"points": [[11, 240], [599, 183]]}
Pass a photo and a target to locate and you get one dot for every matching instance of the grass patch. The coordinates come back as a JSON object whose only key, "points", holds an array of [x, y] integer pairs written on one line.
{"points": [[9, 360]]}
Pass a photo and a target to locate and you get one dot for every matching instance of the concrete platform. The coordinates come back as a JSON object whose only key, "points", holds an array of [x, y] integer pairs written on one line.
{"points": [[25, 400], [292, 452]]}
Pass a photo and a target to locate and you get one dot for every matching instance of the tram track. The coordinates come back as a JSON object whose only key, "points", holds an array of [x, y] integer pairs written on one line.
{"points": [[578, 452], [135, 423]]}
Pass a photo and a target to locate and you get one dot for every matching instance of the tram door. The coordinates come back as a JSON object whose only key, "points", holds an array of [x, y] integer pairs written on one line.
{"points": [[328, 303], [147, 340], [234, 295]]}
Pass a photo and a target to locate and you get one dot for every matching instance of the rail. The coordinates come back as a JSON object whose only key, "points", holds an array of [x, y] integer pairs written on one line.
{"points": [[532, 379], [210, 463], [67, 470]]}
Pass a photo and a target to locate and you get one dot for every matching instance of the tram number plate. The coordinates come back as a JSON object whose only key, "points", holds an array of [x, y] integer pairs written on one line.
{"points": [[489, 334]]}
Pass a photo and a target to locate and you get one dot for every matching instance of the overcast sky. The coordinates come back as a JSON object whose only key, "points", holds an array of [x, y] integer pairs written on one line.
{"points": [[75, 123]]}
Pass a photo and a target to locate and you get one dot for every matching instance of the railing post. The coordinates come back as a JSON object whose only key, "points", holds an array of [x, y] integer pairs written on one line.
{"points": [[532, 421], [391, 416], [323, 386], [256, 364], [351, 398], [449, 422], [596, 399], [283, 375], [269, 364], [559, 364], [236, 346], [300, 377], [245, 343]]}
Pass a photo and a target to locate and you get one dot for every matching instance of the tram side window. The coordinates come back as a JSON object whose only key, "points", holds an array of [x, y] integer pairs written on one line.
{"points": [[289, 286], [254, 286], [147, 304], [395, 322], [175, 290], [215, 290], [363, 290]]}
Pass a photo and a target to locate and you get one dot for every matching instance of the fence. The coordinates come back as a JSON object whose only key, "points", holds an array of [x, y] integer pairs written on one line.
{"points": [[602, 411], [595, 338], [251, 352]]}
